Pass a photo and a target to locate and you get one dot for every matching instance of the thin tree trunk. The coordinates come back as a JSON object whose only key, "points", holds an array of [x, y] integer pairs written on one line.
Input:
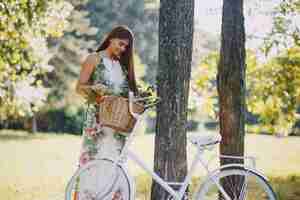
{"points": [[34, 124], [231, 80], [175, 54]]}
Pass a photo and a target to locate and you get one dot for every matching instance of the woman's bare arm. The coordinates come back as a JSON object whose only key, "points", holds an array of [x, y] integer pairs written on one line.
{"points": [[87, 67]]}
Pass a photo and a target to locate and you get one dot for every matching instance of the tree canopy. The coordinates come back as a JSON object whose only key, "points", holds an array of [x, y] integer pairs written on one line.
{"points": [[24, 28]]}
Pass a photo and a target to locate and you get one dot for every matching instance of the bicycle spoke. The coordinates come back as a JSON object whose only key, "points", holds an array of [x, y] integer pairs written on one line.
{"points": [[97, 182], [243, 192], [239, 184]]}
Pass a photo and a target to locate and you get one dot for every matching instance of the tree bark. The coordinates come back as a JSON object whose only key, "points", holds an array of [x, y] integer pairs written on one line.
{"points": [[231, 81], [173, 77]]}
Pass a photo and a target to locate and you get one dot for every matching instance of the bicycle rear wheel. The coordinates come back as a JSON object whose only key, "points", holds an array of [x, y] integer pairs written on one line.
{"points": [[239, 184], [98, 180]]}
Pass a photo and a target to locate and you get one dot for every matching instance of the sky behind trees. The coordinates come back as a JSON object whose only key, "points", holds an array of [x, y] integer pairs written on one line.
{"points": [[258, 19]]}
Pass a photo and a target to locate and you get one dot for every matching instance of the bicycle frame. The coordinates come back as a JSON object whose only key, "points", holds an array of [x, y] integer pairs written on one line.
{"points": [[178, 195], [127, 153]]}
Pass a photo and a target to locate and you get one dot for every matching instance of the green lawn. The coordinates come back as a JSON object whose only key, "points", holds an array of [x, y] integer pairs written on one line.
{"points": [[38, 167]]}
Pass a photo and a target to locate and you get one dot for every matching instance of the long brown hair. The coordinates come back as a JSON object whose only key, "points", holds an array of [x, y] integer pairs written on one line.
{"points": [[126, 59]]}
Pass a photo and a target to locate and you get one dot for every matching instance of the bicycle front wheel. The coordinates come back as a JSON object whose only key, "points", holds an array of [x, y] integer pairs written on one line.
{"points": [[239, 184], [99, 180]]}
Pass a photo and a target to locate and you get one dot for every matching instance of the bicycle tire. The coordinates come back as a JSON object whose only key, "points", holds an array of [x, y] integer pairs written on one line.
{"points": [[248, 178], [87, 182]]}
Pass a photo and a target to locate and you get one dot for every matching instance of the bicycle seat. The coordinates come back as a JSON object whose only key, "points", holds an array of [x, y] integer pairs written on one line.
{"points": [[205, 140]]}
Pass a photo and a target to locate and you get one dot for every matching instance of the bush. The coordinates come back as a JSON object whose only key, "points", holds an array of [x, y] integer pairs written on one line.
{"points": [[12, 124], [67, 120]]}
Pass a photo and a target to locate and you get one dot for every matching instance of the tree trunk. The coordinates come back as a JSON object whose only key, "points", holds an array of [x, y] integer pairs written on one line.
{"points": [[231, 81], [175, 54], [34, 124]]}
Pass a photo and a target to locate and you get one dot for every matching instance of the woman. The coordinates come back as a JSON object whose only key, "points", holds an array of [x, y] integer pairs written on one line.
{"points": [[110, 67]]}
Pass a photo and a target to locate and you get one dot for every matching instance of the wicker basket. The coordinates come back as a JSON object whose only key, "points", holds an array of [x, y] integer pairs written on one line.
{"points": [[114, 113]]}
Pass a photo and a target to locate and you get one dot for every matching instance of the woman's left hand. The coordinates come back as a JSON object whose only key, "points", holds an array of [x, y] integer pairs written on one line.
{"points": [[99, 99]]}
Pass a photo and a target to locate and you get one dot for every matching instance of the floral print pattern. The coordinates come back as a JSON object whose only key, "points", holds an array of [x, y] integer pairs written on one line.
{"points": [[92, 128], [99, 76], [97, 140]]}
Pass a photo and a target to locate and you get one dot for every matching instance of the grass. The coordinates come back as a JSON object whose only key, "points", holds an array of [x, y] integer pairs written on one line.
{"points": [[37, 167], [286, 188]]}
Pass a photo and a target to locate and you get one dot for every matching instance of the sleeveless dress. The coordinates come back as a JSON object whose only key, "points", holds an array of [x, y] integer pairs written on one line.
{"points": [[100, 141]]}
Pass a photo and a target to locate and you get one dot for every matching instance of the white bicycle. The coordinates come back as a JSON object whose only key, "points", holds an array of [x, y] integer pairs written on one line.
{"points": [[229, 182]]}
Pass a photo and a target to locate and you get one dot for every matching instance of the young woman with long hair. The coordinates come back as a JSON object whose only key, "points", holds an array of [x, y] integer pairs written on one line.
{"points": [[111, 66]]}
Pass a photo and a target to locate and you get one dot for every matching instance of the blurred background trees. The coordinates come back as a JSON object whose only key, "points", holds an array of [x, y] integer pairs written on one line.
{"points": [[272, 77], [25, 27], [43, 42]]}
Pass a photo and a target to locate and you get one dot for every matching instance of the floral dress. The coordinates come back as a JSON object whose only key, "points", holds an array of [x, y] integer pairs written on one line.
{"points": [[100, 141]]}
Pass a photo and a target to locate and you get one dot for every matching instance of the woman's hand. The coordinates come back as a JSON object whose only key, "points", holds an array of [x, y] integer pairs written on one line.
{"points": [[100, 89], [99, 99], [84, 90]]}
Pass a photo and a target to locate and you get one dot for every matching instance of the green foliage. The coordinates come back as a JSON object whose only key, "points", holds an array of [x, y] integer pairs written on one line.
{"points": [[68, 52], [272, 89], [285, 32], [274, 94], [67, 119], [205, 84], [64, 120], [24, 27]]}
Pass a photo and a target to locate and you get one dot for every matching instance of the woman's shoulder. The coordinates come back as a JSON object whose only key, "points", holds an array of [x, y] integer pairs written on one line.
{"points": [[92, 59], [101, 54]]}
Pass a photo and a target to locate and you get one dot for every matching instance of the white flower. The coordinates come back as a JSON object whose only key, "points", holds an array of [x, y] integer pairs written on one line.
{"points": [[28, 94]]}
